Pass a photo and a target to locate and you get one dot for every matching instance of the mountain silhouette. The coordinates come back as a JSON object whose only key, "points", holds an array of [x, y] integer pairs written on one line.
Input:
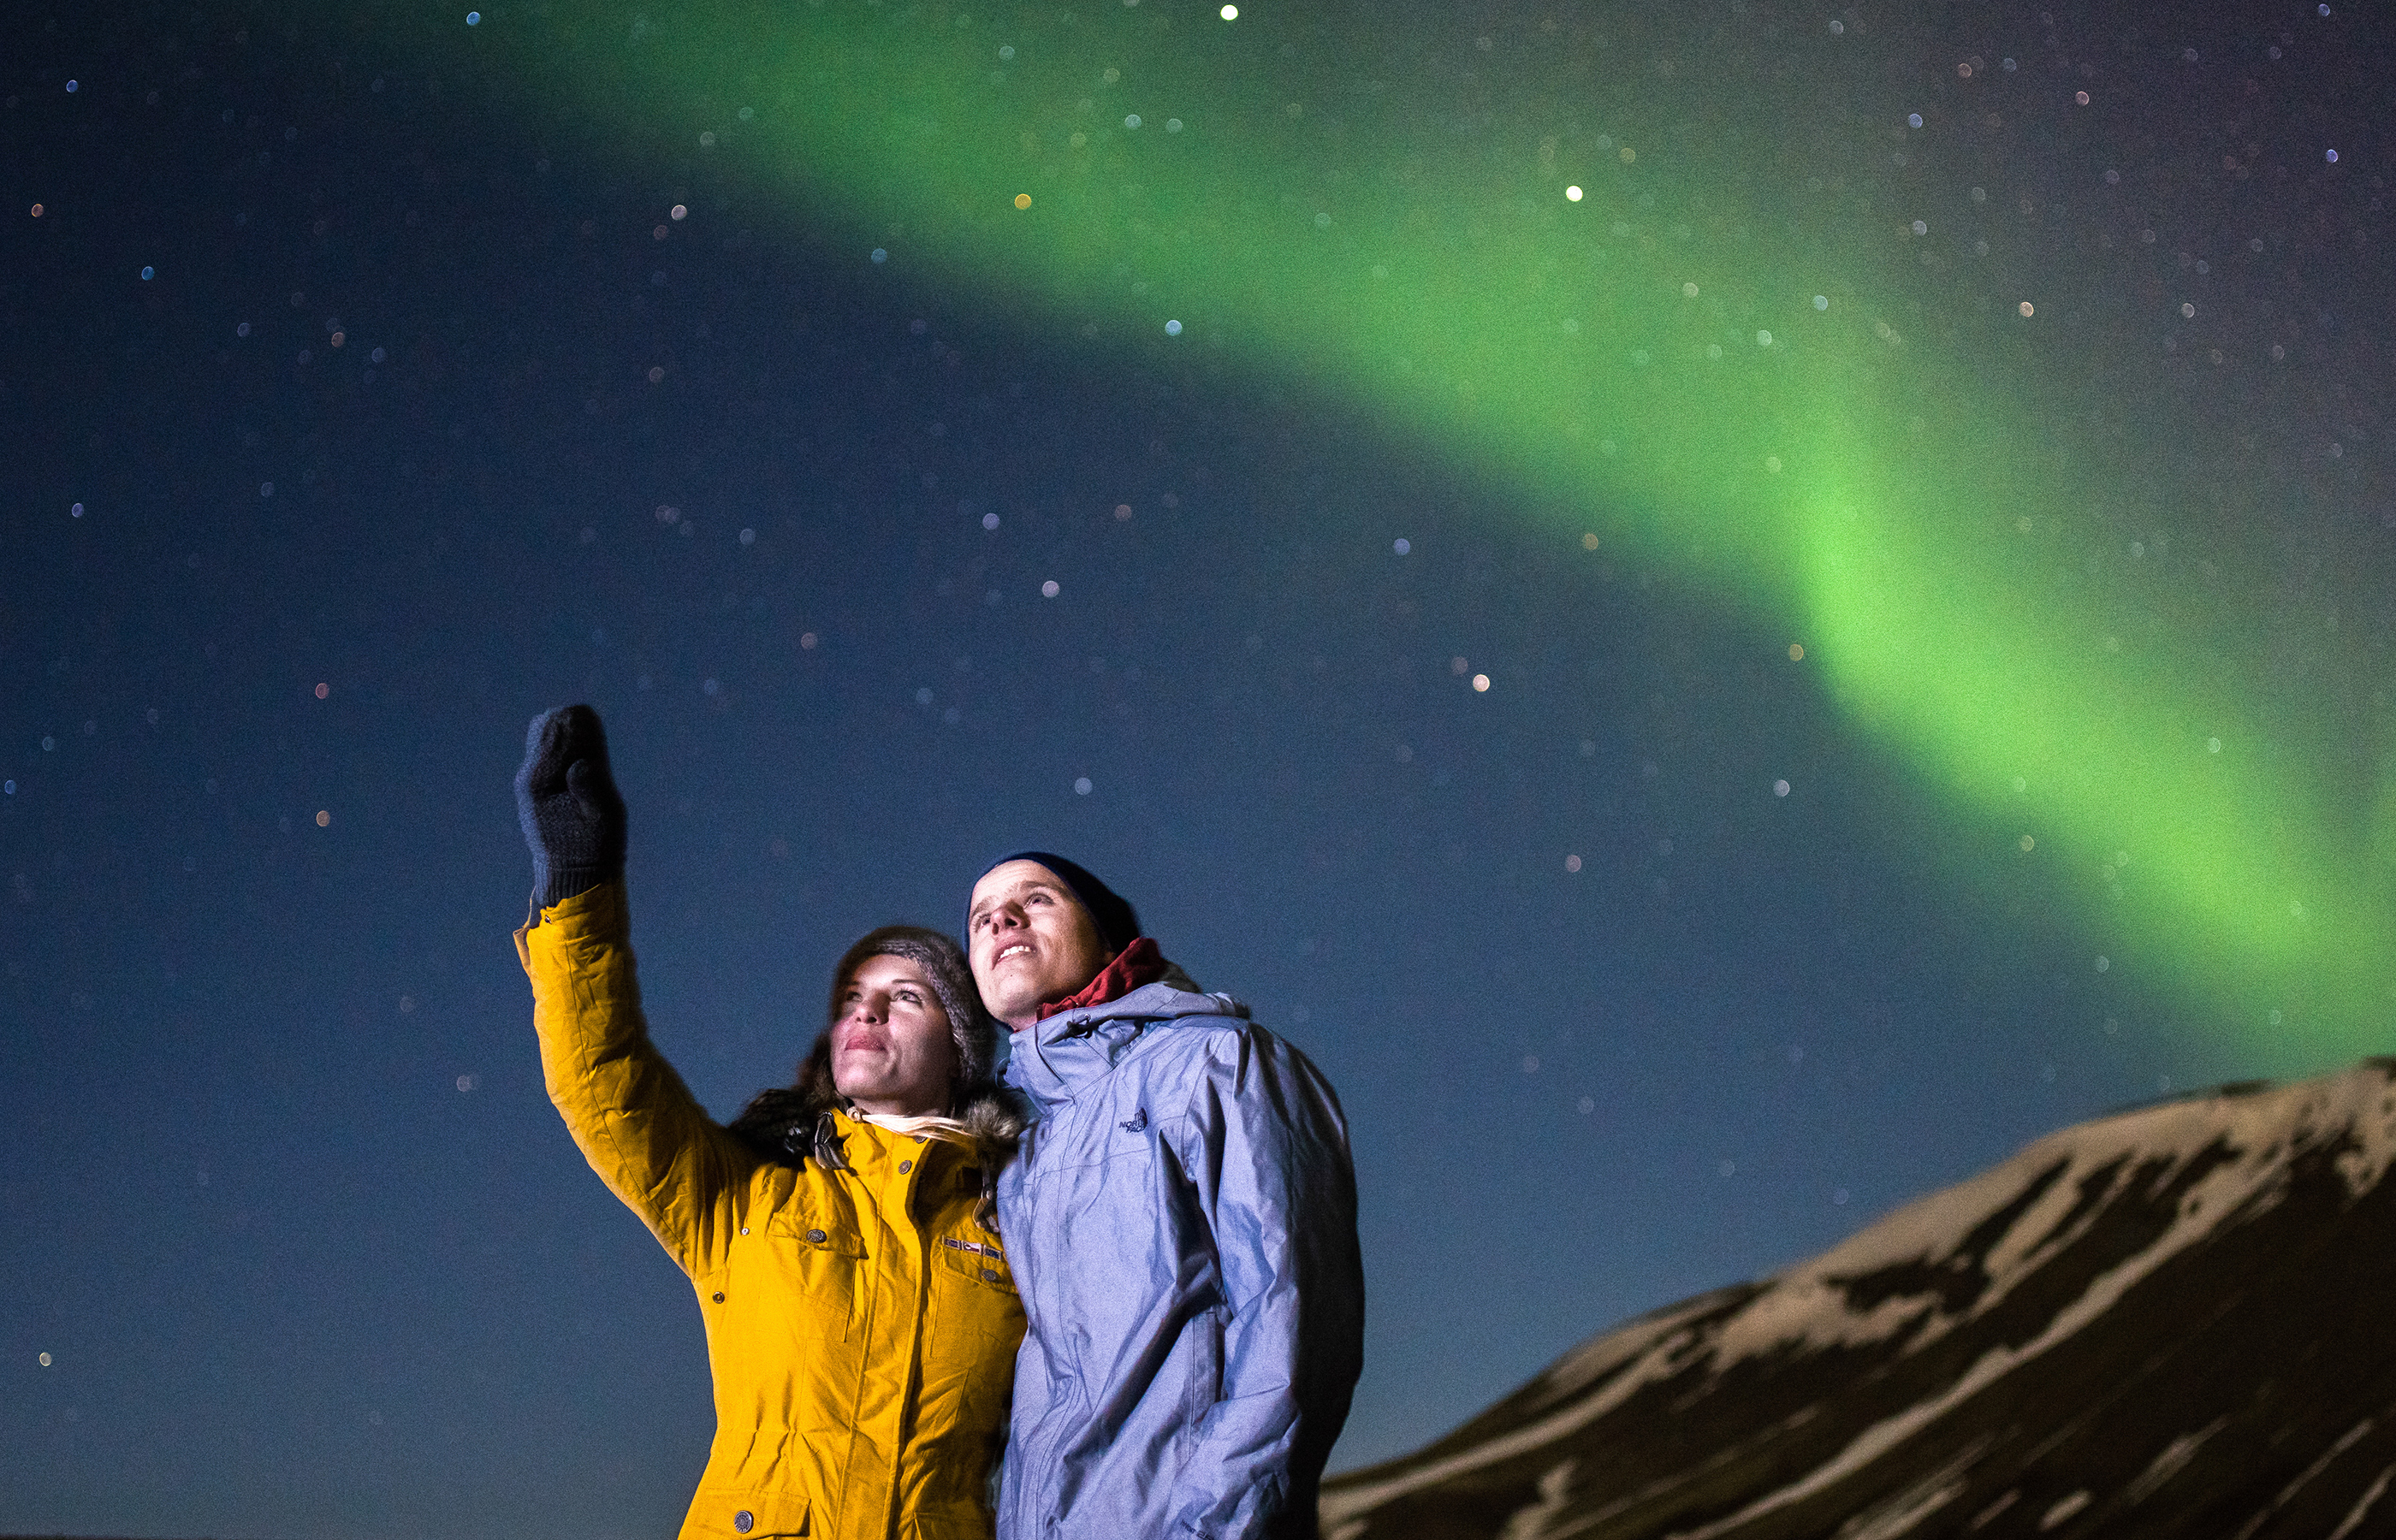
{"points": [[2176, 1320]]}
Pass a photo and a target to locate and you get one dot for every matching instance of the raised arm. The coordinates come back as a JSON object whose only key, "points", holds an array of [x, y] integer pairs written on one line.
{"points": [[1270, 1154], [639, 1126], [566, 802]]}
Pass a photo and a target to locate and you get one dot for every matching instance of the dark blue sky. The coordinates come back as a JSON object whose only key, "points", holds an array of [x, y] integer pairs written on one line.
{"points": [[283, 1201]]}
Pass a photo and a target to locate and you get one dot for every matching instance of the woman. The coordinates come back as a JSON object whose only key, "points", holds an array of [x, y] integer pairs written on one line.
{"points": [[861, 1321]]}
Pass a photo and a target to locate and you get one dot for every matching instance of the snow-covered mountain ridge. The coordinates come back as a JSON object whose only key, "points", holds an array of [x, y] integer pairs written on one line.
{"points": [[2176, 1321]]}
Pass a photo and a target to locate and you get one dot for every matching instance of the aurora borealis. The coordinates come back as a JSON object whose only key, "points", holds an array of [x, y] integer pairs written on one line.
{"points": [[1664, 279], [1912, 725]]}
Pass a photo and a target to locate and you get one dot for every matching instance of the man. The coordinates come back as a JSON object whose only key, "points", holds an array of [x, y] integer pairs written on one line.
{"points": [[1182, 1222]]}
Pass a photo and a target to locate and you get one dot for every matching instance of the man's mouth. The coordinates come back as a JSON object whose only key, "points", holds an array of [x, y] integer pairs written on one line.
{"points": [[1020, 947]]}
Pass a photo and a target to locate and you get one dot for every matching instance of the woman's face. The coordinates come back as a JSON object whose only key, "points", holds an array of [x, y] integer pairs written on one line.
{"points": [[891, 1051]]}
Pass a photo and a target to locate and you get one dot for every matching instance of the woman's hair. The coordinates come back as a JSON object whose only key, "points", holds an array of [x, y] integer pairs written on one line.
{"points": [[774, 1118]]}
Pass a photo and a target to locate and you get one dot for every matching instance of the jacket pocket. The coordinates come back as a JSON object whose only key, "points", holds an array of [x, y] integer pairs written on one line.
{"points": [[736, 1514], [982, 1260], [808, 1233], [1204, 1388], [819, 1257]]}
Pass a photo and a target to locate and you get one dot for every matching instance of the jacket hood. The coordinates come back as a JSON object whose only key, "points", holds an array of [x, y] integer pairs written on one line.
{"points": [[1054, 1059]]}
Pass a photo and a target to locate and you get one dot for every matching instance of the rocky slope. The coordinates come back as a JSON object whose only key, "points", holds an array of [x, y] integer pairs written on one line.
{"points": [[2173, 1322]]}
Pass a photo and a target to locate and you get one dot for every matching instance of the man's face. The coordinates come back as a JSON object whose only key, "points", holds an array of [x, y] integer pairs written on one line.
{"points": [[1030, 940], [891, 1051]]}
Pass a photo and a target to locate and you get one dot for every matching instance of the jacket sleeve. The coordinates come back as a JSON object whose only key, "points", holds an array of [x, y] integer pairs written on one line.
{"points": [[1270, 1155], [639, 1126]]}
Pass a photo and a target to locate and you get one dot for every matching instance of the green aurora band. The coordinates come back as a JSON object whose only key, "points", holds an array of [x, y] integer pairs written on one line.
{"points": [[1649, 361]]}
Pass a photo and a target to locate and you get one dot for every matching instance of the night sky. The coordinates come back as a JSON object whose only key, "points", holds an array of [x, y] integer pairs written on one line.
{"points": [[1334, 538]]}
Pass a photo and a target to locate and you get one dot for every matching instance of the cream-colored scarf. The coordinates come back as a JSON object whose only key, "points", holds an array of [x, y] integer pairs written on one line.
{"points": [[940, 1127]]}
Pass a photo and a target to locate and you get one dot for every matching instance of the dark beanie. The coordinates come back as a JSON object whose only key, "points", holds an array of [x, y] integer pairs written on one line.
{"points": [[1118, 923]]}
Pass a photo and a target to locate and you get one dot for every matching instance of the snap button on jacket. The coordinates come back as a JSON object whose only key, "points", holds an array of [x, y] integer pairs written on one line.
{"points": [[861, 1326]]}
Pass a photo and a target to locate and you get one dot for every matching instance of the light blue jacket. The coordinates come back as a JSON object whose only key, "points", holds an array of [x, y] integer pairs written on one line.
{"points": [[1183, 1223]]}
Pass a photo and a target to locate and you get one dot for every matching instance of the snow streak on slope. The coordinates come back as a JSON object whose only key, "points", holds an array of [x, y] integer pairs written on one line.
{"points": [[2169, 1322]]}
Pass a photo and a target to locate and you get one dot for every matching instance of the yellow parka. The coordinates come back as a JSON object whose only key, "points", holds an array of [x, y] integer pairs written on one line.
{"points": [[861, 1325]]}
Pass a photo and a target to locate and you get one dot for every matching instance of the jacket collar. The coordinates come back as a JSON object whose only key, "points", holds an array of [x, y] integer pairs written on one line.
{"points": [[1137, 964], [1052, 1061], [796, 1124]]}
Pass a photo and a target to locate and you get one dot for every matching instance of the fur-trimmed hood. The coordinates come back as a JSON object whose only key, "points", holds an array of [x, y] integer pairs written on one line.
{"points": [[794, 1125]]}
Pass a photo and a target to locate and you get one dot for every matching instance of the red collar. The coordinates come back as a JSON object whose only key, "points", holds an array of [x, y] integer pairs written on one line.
{"points": [[1137, 964]]}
